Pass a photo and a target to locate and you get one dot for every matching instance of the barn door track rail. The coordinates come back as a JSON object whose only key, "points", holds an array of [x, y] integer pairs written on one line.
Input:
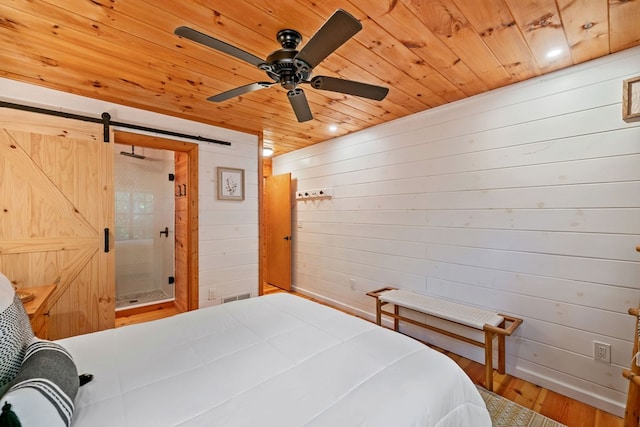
{"points": [[106, 121]]}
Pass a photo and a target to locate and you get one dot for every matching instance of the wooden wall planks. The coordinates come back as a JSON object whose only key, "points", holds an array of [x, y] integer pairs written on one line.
{"points": [[228, 229], [428, 52], [525, 200]]}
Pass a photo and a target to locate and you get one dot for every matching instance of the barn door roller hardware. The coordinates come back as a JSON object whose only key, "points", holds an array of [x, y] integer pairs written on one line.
{"points": [[106, 118]]}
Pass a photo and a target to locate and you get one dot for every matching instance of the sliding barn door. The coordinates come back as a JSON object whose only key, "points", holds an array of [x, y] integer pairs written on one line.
{"points": [[56, 204]]}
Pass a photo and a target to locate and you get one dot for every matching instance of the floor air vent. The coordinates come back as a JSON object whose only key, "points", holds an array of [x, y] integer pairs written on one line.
{"points": [[236, 298]]}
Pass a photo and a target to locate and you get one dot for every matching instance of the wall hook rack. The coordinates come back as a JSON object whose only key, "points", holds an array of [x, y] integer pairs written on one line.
{"points": [[181, 190], [320, 193]]}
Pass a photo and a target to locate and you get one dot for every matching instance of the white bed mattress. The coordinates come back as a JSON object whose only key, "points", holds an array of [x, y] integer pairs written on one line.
{"points": [[276, 360]]}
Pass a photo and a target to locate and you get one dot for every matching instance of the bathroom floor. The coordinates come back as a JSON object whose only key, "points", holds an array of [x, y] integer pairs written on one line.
{"points": [[141, 298]]}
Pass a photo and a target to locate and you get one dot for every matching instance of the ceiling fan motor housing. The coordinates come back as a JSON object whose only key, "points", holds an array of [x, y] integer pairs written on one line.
{"points": [[282, 65]]}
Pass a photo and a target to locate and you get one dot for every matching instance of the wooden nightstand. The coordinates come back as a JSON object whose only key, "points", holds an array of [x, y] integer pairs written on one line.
{"points": [[38, 309]]}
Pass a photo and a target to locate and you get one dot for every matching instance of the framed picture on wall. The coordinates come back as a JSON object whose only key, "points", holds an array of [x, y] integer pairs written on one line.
{"points": [[230, 184], [631, 100]]}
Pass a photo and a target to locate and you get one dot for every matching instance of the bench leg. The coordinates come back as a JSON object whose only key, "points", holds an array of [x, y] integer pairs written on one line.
{"points": [[396, 321], [502, 364], [378, 311], [488, 359]]}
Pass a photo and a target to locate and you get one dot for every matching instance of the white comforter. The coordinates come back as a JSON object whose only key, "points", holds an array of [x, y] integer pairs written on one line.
{"points": [[276, 360]]}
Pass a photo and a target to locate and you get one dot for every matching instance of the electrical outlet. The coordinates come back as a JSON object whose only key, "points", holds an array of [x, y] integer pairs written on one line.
{"points": [[212, 293], [602, 351]]}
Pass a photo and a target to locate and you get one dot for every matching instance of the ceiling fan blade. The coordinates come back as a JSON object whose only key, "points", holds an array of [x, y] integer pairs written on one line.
{"points": [[239, 91], [339, 28], [219, 45], [300, 105], [349, 87]]}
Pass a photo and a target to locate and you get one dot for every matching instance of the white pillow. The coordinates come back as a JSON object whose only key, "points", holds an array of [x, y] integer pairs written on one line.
{"points": [[6, 293], [15, 333]]}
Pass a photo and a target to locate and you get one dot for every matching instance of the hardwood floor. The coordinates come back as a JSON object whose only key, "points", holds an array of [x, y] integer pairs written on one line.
{"points": [[546, 402]]}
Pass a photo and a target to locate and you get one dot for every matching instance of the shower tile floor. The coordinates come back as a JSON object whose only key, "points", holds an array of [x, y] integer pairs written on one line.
{"points": [[141, 298]]}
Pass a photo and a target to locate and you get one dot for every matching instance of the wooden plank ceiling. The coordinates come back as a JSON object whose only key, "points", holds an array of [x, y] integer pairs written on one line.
{"points": [[428, 52]]}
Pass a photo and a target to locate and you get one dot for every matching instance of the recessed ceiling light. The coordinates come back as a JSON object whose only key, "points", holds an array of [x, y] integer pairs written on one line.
{"points": [[333, 128], [267, 151], [554, 53]]}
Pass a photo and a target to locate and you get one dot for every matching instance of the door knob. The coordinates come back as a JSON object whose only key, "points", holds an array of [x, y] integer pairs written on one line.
{"points": [[288, 238]]}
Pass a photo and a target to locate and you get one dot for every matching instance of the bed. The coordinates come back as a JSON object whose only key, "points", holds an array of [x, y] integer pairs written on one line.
{"points": [[275, 360]]}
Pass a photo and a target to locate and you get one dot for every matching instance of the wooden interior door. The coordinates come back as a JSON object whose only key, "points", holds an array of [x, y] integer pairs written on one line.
{"points": [[56, 206], [277, 217]]}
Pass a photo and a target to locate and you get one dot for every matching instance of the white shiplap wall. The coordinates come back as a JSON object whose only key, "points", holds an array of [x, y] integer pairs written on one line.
{"points": [[228, 230], [525, 200]]}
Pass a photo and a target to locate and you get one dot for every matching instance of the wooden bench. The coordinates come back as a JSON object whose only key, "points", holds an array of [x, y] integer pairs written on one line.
{"points": [[493, 324]]}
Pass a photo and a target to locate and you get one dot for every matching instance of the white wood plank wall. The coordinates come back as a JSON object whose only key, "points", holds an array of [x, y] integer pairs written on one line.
{"points": [[228, 229], [525, 200]]}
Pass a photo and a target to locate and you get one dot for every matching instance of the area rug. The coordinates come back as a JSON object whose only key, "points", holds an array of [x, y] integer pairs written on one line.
{"points": [[505, 413]]}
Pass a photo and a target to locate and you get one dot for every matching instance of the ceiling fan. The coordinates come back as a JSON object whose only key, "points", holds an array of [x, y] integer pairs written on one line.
{"points": [[290, 67]]}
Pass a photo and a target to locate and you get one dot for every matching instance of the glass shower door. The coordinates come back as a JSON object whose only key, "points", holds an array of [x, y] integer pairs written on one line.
{"points": [[144, 212]]}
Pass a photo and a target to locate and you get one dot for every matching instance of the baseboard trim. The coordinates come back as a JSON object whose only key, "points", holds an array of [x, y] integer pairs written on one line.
{"points": [[596, 400]]}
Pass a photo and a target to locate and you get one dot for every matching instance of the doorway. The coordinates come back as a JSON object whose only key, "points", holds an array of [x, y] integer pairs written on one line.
{"points": [[144, 226], [185, 238]]}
